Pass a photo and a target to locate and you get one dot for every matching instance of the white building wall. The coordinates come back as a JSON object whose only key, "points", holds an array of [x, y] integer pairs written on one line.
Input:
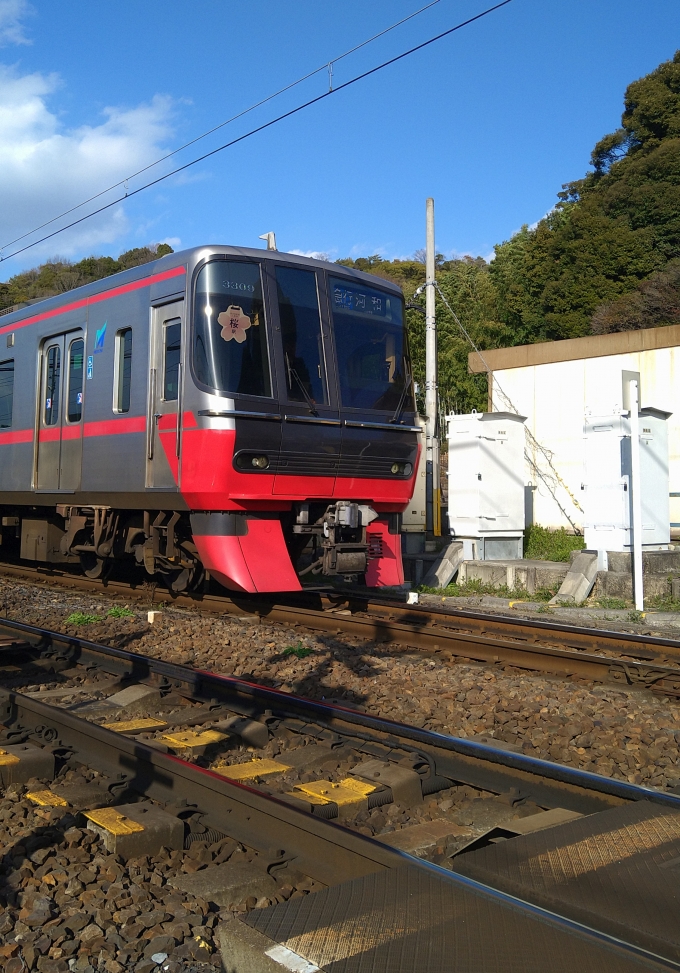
{"points": [[555, 398]]}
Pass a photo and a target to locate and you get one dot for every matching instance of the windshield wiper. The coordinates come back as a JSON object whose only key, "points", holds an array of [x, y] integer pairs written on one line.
{"points": [[402, 400], [308, 399]]}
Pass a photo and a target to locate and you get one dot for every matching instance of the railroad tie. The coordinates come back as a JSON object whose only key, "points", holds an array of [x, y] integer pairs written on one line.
{"points": [[132, 830], [251, 769]]}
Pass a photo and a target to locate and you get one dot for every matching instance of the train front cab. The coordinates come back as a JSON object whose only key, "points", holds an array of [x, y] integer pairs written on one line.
{"points": [[296, 419]]}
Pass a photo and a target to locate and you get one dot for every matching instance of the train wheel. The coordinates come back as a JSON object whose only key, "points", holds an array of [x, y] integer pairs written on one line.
{"points": [[188, 576], [94, 566]]}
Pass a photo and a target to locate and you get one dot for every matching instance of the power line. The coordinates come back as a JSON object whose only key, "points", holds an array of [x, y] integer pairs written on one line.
{"points": [[327, 66], [265, 125]]}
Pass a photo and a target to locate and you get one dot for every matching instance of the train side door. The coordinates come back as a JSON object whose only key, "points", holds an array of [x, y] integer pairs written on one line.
{"points": [[60, 442], [165, 397]]}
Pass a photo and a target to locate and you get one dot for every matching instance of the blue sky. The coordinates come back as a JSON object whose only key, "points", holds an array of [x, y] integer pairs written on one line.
{"points": [[490, 121]]}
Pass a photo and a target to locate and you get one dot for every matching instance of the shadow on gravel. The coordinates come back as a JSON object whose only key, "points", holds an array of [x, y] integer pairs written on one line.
{"points": [[320, 681], [13, 873]]}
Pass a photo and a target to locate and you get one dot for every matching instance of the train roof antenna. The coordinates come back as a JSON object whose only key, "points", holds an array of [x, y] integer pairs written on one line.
{"points": [[270, 238]]}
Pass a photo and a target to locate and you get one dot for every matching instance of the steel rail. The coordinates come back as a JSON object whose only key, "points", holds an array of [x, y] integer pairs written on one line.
{"points": [[458, 759], [321, 849], [284, 835], [564, 650]]}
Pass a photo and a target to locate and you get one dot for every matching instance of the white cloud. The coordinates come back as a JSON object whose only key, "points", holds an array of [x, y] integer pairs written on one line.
{"points": [[315, 254], [12, 13], [46, 168]]}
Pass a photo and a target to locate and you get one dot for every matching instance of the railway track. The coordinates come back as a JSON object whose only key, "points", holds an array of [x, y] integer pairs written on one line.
{"points": [[187, 759], [570, 651]]}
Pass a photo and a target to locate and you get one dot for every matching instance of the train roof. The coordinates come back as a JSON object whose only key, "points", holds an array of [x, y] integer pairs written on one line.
{"points": [[184, 258]]}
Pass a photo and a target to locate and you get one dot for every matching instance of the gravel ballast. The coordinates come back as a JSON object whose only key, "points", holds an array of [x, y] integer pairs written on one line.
{"points": [[67, 904], [632, 735]]}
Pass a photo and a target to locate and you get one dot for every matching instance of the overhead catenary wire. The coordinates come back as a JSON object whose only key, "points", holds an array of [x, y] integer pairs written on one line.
{"points": [[261, 128], [258, 104]]}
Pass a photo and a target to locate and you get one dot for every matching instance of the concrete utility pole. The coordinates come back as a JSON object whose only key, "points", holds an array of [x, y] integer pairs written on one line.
{"points": [[433, 521], [634, 401]]}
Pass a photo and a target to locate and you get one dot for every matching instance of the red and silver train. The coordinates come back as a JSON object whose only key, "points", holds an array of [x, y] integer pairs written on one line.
{"points": [[239, 411]]}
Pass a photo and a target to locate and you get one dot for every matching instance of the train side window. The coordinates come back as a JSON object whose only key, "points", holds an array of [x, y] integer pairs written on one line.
{"points": [[123, 371], [229, 337], [301, 334], [172, 346], [74, 400], [6, 393], [52, 382]]}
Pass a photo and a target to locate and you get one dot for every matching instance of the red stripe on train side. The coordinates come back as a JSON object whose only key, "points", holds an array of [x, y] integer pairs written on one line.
{"points": [[109, 427], [113, 427], [55, 433], [96, 298], [19, 436]]}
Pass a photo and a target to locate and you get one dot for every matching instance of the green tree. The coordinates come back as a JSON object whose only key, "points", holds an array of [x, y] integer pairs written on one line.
{"points": [[609, 231], [655, 302], [58, 276]]}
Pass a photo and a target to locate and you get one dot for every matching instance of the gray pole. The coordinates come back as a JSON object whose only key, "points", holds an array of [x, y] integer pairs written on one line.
{"points": [[637, 500], [432, 457]]}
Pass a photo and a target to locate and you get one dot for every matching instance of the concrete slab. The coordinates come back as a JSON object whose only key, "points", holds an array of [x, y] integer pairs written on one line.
{"points": [[227, 885], [579, 580], [526, 574], [245, 950], [542, 820], [136, 700], [619, 584], [445, 568], [411, 919], [423, 839], [653, 562]]}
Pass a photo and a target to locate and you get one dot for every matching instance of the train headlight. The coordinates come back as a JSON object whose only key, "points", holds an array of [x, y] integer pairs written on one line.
{"points": [[260, 462], [402, 469]]}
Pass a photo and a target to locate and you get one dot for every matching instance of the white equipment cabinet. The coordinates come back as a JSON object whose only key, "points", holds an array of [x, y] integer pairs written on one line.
{"points": [[486, 484], [607, 495]]}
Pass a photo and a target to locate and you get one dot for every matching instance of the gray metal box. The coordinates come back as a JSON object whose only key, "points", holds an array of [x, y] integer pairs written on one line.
{"points": [[40, 541]]}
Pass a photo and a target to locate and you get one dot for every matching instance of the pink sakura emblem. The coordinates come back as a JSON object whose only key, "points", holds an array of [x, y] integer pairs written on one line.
{"points": [[234, 323]]}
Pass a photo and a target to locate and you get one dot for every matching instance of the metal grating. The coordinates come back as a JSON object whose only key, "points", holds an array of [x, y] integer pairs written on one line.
{"points": [[319, 464], [408, 919], [617, 871]]}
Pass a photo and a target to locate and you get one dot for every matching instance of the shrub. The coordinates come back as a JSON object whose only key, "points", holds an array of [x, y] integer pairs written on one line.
{"points": [[543, 544]]}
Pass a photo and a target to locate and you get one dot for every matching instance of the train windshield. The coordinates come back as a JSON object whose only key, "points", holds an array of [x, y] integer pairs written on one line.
{"points": [[230, 341], [369, 338]]}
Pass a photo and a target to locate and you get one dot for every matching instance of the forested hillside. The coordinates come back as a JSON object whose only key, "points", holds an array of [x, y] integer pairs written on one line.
{"points": [[57, 276]]}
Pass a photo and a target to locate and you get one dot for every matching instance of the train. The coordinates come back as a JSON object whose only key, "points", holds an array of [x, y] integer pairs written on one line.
{"points": [[242, 412]]}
